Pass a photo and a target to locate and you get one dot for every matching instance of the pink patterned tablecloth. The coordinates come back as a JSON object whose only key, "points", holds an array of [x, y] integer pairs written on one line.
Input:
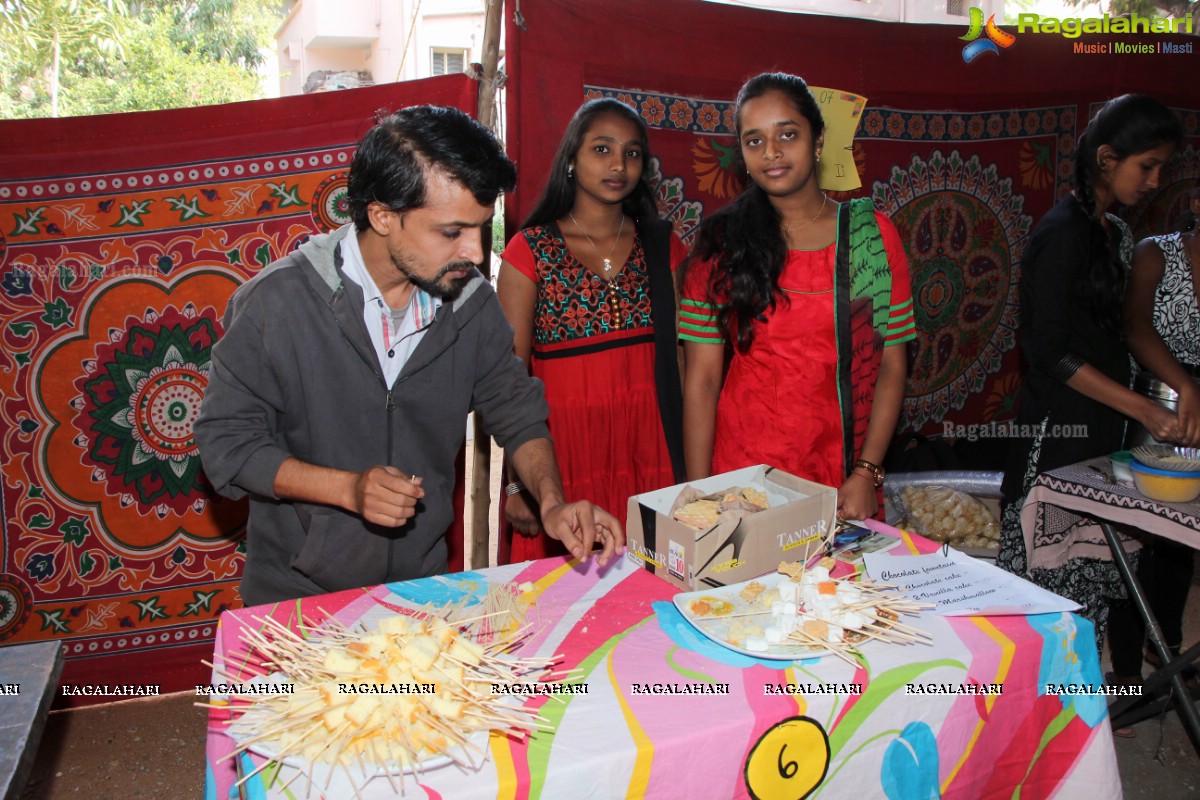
{"points": [[619, 629]]}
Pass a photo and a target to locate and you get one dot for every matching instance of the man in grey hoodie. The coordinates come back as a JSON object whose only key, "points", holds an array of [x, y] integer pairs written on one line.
{"points": [[338, 396]]}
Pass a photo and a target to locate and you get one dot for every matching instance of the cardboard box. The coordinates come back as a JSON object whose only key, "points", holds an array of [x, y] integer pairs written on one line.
{"points": [[792, 528]]}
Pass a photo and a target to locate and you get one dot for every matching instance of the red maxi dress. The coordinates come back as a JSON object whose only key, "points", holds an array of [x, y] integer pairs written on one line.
{"points": [[779, 403], [593, 349]]}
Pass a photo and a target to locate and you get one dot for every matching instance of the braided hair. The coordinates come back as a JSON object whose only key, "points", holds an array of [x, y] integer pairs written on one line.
{"points": [[1129, 124]]}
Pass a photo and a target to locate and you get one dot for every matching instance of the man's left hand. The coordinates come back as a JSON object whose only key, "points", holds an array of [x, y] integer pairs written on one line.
{"points": [[580, 526], [522, 514]]}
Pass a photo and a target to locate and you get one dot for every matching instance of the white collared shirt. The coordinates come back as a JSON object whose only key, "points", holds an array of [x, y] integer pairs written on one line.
{"points": [[395, 333]]}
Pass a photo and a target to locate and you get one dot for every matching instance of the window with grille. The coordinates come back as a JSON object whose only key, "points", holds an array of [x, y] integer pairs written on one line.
{"points": [[956, 8], [448, 61]]}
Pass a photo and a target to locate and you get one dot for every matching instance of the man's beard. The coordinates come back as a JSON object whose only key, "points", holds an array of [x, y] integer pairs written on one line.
{"points": [[438, 286]]}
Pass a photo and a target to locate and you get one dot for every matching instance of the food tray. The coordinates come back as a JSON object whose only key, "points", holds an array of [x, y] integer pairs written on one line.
{"points": [[321, 773], [717, 627]]}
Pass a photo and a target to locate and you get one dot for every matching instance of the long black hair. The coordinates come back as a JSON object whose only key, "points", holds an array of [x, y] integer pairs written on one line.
{"points": [[1129, 124], [745, 237], [558, 197]]}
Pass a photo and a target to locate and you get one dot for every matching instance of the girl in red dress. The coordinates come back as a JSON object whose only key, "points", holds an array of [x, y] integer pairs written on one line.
{"points": [[588, 287], [814, 297]]}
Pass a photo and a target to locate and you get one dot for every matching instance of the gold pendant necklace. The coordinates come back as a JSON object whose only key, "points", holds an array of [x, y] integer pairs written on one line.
{"points": [[606, 260]]}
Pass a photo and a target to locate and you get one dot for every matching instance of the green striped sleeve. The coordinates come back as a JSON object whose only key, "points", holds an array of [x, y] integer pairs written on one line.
{"points": [[902, 326], [698, 322]]}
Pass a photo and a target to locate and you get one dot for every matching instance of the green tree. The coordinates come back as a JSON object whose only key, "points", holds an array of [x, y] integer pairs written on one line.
{"points": [[157, 74], [37, 34], [232, 31], [102, 56]]}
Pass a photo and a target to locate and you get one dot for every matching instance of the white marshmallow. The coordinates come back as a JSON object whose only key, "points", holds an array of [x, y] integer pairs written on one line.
{"points": [[852, 620], [756, 644]]}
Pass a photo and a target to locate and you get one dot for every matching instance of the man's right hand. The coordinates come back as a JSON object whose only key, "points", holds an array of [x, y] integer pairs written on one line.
{"points": [[386, 496]]}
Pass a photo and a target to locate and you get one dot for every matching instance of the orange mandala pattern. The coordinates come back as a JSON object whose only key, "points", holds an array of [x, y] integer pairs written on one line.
{"points": [[112, 290]]}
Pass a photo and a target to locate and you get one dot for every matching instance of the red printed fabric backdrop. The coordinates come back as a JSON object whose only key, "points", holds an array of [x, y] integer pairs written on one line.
{"points": [[964, 158], [121, 240]]}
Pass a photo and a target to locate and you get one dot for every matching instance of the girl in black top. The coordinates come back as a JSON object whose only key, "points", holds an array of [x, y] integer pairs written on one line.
{"points": [[1072, 279]]}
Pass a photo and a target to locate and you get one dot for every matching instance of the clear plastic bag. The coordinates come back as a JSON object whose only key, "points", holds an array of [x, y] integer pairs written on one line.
{"points": [[946, 515]]}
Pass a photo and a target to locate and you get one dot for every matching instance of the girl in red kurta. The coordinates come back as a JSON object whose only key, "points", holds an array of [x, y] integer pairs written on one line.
{"points": [[588, 287], [813, 295]]}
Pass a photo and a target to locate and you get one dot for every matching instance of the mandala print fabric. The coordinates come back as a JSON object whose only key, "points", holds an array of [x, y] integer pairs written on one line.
{"points": [[963, 189], [112, 287]]}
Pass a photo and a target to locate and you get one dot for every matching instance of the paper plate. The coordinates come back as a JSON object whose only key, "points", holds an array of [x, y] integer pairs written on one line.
{"points": [[322, 773], [717, 627]]}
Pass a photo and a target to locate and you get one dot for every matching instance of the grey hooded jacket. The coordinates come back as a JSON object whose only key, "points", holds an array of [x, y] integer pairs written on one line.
{"points": [[296, 375]]}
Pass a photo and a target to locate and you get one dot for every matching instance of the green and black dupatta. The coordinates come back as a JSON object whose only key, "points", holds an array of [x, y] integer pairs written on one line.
{"points": [[862, 303]]}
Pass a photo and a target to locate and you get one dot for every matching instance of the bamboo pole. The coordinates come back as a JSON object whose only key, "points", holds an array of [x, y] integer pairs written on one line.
{"points": [[494, 10], [480, 496]]}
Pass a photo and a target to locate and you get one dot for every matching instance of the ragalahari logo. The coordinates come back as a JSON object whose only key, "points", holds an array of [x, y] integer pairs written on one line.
{"points": [[994, 41]]}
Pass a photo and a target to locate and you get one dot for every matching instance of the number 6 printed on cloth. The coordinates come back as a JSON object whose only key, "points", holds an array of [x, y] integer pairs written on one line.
{"points": [[788, 761]]}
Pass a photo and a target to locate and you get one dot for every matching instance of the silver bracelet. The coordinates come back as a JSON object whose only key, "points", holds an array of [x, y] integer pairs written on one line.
{"points": [[513, 488]]}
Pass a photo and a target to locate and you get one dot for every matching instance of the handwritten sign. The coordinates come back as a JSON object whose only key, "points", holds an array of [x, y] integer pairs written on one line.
{"points": [[842, 111], [963, 586]]}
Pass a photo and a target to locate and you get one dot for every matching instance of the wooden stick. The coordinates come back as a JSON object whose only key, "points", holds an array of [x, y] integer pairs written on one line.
{"points": [[830, 646], [732, 616], [257, 770]]}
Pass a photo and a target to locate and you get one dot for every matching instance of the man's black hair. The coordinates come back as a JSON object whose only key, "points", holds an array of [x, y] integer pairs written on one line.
{"points": [[393, 158]]}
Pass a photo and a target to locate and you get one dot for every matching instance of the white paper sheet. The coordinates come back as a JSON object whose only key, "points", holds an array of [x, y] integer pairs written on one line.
{"points": [[962, 586]]}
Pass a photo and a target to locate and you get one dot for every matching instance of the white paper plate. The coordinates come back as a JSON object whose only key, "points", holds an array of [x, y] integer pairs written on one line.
{"points": [[716, 628], [321, 773]]}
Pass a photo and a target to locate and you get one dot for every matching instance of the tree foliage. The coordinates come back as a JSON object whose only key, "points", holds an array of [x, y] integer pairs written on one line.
{"points": [[156, 74], [43, 34], [70, 57], [231, 31]]}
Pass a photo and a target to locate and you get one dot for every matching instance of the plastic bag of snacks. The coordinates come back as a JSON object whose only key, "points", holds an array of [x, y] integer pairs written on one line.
{"points": [[946, 515]]}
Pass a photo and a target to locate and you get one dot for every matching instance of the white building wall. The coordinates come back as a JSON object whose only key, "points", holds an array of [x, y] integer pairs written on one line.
{"points": [[391, 39], [394, 40]]}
